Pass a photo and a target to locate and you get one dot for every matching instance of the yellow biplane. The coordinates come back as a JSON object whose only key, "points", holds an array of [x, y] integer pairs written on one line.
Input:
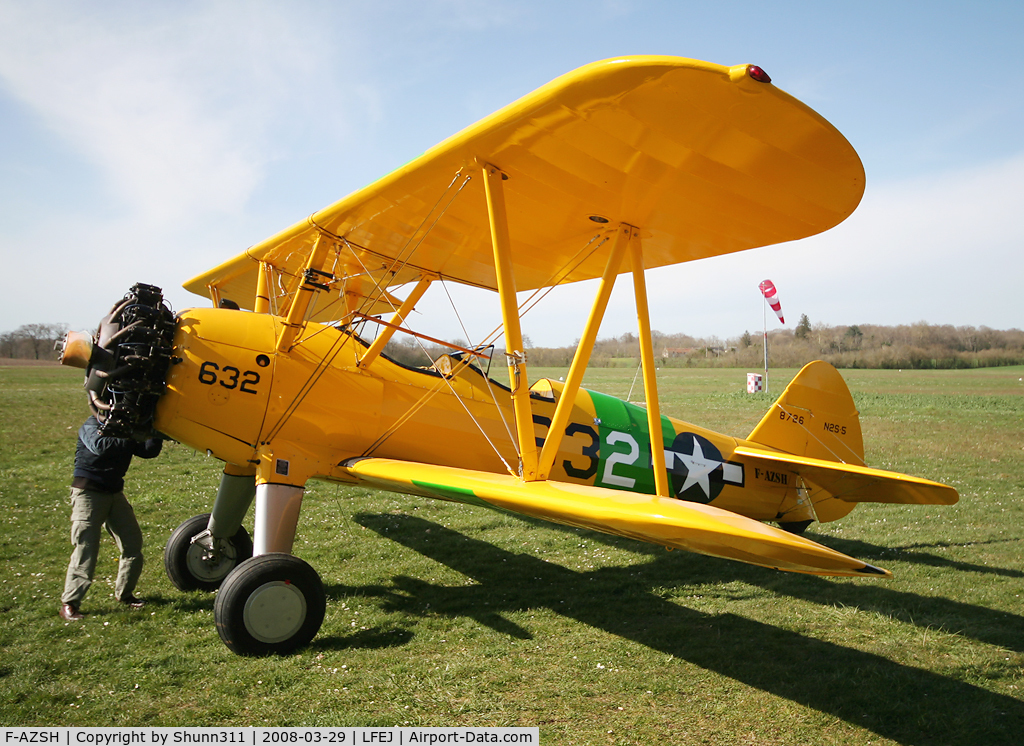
{"points": [[618, 167]]}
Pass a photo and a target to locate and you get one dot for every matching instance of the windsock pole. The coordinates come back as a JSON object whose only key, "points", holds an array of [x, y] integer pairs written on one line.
{"points": [[764, 318], [771, 297]]}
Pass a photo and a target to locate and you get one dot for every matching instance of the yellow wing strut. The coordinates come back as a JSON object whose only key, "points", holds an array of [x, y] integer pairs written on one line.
{"points": [[506, 282], [397, 320], [302, 298], [643, 316], [262, 304], [583, 352]]}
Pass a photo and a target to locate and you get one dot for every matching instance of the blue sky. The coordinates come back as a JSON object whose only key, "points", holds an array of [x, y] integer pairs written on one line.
{"points": [[152, 141]]}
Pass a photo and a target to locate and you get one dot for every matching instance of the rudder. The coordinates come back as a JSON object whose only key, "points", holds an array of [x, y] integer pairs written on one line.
{"points": [[815, 417]]}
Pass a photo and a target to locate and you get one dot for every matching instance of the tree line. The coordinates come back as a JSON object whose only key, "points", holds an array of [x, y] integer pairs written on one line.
{"points": [[32, 341], [914, 346]]}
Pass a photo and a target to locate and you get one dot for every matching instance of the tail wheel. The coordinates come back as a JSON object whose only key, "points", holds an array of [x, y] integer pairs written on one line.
{"points": [[271, 604], [195, 566], [795, 527]]}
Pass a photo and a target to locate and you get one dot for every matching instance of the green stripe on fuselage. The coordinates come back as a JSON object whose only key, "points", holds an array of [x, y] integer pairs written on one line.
{"points": [[625, 445]]}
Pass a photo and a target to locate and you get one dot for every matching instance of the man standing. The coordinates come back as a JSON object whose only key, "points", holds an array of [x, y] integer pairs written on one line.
{"points": [[97, 499]]}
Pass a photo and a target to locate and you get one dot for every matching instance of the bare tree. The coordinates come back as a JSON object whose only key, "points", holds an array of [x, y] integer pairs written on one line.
{"points": [[39, 338], [9, 344]]}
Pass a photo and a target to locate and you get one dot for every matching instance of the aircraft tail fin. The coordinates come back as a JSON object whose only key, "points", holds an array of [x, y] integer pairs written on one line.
{"points": [[814, 417], [814, 429]]}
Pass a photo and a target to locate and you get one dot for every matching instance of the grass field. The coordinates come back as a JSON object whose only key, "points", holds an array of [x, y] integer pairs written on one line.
{"points": [[446, 615]]}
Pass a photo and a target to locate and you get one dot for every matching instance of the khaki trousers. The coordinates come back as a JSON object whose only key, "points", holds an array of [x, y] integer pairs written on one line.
{"points": [[90, 512]]}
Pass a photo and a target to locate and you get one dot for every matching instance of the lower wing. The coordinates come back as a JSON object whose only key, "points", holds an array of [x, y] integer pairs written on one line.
{"points": [[669, 522]]}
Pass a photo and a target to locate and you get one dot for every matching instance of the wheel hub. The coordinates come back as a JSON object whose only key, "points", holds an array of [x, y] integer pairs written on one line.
{"points": [[275, 611], [211, 565]]}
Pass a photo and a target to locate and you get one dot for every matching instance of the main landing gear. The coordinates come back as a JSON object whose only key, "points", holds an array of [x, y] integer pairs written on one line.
{"points": [[271, 603]]}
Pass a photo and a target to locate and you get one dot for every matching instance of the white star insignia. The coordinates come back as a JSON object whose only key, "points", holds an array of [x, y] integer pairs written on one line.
{"points": [[698, 467]]}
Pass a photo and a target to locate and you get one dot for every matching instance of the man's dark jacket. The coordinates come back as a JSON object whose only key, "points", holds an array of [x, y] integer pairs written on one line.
{"points": [[102, 462]]}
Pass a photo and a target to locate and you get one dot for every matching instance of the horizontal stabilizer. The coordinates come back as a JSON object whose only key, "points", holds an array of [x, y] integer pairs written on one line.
{"points": [[669, 522], [854, 483]]}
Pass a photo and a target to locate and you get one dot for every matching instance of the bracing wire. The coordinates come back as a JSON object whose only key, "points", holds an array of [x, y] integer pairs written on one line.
{"points": [[400, 262], [822, 443], [538, 295], [335, 347]]}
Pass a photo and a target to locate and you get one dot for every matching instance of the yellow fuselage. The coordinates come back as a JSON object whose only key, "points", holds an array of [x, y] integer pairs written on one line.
{"points": [[297, 415]]}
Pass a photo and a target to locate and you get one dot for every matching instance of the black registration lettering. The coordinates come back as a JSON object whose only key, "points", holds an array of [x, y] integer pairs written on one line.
{"points": [[249, 381], [789, 417], [837, 429], [232, 377], [208, 373], [229, 377], [539, 419]]}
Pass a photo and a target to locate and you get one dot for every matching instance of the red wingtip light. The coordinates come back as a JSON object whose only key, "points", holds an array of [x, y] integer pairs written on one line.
{"points": [[758, 74]]}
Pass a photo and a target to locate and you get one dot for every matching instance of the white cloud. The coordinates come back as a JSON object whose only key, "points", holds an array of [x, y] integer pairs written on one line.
{"points": [[945, 249], [172, 107], [180, 109]]}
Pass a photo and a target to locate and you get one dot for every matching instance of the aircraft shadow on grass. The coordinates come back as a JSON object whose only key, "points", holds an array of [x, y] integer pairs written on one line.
{"points": [[908, 705], [375, 638], [911, 553], [989, 626]]}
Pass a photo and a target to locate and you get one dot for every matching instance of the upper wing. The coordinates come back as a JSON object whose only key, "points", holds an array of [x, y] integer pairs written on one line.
{"points": [[855, 483], [671, 523], [701, 157]]}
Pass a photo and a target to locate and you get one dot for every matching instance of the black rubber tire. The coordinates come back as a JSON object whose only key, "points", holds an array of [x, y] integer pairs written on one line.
{"points": [[181, 557], [795, 527], [270, 605]]}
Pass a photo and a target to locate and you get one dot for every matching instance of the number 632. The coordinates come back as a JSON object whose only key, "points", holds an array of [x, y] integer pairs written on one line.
{"points": [[229, 377]]}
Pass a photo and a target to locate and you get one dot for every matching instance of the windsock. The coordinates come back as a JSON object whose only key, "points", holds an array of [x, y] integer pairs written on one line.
{"points": [[772, 296]]}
